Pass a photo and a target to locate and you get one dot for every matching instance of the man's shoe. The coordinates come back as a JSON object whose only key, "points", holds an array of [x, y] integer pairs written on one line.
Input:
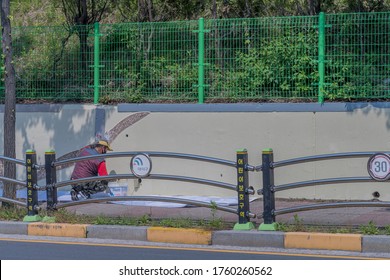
{"points": [[84, 195], [74, 195]]}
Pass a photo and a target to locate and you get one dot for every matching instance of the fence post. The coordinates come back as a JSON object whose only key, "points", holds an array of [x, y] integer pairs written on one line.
{"points": [[321, 57], [243, 193], [32, 193], [201, 62], [51, 179], [268, 192], [96, 65]]}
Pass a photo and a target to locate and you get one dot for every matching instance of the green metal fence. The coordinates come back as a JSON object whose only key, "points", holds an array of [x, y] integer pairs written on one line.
{"points": [[357, 56], [149, 61], [315, 58]]}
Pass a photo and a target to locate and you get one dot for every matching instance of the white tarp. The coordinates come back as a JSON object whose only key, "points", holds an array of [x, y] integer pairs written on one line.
{"points": [[220, 201]]}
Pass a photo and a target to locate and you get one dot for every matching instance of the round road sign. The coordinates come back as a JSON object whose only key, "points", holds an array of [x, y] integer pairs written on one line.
{"points": [[141, 165], [378, 167]]}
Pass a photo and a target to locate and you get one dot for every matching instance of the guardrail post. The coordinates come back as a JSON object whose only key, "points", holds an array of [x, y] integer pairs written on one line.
{"points": [[32, 193], [51, 179], [268, 192], [243, 192]]}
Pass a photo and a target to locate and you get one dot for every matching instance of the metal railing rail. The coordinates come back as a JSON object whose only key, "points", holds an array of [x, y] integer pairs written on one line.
{"points": [[152, 198], [323, 182], [14, 181], [149, 153], [151, 176], [30, 183], [330, 205], [13, 160], [13, 201], [322, 157], [242, 188], [269, 189]]}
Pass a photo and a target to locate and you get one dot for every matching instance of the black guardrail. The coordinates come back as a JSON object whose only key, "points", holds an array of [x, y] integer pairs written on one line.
{"points": [[242, 187], [269, 188]]}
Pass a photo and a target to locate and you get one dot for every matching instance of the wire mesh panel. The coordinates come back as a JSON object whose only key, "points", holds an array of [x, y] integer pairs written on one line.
{"points": [[358, 57], [149, 61], [262, 58], [53, 63]]}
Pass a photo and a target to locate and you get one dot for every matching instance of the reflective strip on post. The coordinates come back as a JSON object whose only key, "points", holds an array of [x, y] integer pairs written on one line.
{"points": [[32, 193]]}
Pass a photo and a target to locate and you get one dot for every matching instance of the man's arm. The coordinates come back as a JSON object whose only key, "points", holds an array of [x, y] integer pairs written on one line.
{"points": [[102, 169]]}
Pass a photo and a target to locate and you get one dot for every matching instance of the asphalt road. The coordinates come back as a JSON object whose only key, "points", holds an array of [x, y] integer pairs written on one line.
{"points": [[40, 249]]}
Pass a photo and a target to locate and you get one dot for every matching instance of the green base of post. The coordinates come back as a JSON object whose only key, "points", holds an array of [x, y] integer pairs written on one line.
{"points": [[268, 227], [48, 219], [247, 226], [35, 218]]}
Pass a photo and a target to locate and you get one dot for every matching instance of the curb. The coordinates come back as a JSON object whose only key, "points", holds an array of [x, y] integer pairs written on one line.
{"points": [[323, 241], [13, 228], [179, 235], [250, 238], [376, 243], [117, 232], [59, 230]]}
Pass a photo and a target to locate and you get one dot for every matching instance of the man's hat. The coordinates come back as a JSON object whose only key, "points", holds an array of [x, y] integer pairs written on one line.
{"points": [[103, 140], [105, 143]]}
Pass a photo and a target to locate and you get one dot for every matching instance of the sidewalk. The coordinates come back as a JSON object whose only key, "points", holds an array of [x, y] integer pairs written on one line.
{"points": [[346, 216]]}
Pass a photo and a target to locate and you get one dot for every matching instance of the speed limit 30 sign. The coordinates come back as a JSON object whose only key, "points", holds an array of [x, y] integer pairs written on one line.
{"points": [[378, 167]]}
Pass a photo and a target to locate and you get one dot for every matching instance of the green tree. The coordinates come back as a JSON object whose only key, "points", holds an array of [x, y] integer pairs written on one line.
{"points": [[80, 16]]}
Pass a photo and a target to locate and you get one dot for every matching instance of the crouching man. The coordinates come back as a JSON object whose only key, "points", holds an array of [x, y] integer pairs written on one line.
{"points": [[91, 168]]}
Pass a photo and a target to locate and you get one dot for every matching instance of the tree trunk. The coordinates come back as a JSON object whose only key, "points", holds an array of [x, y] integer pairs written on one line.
{"points": [[84, 49], [218, 53], [314, 7], [10, 100], [83, 35]]}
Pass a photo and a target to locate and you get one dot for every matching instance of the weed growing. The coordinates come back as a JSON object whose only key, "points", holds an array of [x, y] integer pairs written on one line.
{"points": [[215, 223]]}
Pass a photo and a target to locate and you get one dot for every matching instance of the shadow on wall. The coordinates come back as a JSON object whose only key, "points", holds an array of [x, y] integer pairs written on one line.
{"points": [[42, 127], [367, 107], [63, 128], [99, 128]]}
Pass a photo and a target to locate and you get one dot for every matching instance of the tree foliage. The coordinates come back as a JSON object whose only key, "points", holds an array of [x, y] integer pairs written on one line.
{"points": [[257, 53], [170, 10]]}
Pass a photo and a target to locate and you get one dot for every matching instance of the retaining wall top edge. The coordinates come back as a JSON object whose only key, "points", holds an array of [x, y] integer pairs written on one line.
{"points": [[253, 107], [211, 107]]}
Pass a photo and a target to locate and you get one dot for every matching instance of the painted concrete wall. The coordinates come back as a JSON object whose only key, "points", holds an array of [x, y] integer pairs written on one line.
{"points": [[45, 127], [291, 130]]}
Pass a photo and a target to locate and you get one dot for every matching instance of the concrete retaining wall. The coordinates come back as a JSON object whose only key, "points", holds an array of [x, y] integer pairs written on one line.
{"points": [[218, 130]]}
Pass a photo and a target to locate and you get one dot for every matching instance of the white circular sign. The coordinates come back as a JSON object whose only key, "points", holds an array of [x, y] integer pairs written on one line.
{"points": [[379, 167], [141, 165]]}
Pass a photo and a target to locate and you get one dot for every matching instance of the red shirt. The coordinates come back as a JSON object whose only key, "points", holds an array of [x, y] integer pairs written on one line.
{"points": [[89, 168], [102, 169]]}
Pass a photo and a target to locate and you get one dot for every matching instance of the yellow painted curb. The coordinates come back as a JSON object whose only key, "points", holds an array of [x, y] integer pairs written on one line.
{"points": [[63, 230], [325, 241], [178, 235]]}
